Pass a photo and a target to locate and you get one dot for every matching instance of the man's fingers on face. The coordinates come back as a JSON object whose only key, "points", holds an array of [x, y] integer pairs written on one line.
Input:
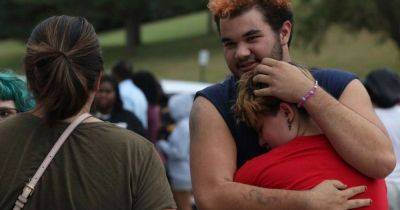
{"points": [[350, 192], [262, 78], [270, 62], [357, 203], [263, 92], [263, 69]]}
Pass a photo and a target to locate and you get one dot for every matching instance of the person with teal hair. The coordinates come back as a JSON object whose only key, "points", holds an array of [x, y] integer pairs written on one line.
{"points": [[14, 95]]}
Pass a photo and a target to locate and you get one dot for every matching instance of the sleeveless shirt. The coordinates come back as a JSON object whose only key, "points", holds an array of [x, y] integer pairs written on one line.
{"points": [[223, 97]]}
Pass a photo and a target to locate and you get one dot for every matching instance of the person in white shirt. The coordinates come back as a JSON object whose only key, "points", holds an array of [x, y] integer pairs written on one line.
{"points": [[383, 86], [133, 99]]}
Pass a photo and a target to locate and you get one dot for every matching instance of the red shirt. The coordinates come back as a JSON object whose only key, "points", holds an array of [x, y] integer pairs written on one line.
{"points": [[304, 163]]}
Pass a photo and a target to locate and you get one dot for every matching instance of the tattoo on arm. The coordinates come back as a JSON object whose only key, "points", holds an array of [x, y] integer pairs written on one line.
{"points": [[256, 195]]}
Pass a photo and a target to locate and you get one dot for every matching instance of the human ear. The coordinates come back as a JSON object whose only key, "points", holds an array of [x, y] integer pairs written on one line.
{"points": [[285, 32], [288, 111]]}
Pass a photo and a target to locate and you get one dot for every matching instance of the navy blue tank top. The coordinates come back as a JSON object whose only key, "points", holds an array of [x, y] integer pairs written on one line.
{"points": [[223, 97]]}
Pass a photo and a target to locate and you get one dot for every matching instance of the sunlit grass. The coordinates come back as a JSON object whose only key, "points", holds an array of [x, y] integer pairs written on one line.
{"points": [[171, 48]]}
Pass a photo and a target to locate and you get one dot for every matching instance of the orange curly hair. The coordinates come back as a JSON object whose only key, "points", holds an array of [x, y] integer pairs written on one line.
{"points": [[224, 8]]}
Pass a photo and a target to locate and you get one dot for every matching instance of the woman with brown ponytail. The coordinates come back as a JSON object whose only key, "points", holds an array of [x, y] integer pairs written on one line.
{"points": [[99, 166]]}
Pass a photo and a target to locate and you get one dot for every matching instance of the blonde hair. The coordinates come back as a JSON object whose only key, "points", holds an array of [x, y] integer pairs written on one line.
{"points": [[249, 107]]}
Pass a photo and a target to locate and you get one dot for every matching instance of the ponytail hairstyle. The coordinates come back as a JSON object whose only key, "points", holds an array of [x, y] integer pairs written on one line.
{"points": [[62, 64]]}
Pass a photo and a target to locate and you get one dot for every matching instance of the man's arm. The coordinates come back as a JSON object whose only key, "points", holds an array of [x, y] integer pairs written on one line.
{"points": [[354, 130], [350, 124], [213, 164]]}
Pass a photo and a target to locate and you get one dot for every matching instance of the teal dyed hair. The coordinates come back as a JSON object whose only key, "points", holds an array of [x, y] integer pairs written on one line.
{"points": [[13, 88]]}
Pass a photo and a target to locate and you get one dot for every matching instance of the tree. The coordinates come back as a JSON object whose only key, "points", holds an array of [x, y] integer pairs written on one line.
{"points": [[134, 13], [19, 16], [317, 16], [17, 20], [131, 13]]}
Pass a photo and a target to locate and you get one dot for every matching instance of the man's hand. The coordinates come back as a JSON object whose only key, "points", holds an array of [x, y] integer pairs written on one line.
{"points": [[351, 125], [284, 80], [333, 195]]}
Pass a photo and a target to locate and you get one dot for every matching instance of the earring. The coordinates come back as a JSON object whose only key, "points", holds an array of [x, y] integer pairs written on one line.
{"points": [[289, 124]]}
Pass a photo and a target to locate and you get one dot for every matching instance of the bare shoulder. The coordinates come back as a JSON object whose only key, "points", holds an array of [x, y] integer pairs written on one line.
{"points": [[212, 150], [206, 120], [354, 89], [211, 142], [202, 110], [356, 98]]}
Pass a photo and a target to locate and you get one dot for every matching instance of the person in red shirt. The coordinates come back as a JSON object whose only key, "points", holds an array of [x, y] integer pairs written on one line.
{"points": [[301, 156]]}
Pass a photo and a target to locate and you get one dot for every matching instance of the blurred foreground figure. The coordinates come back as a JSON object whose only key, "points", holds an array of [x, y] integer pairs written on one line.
{"points": [[383, 85], [14, 96], [176, 150], [100, 165]]}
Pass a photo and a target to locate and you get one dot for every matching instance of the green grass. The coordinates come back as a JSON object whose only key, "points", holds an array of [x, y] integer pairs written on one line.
{"points": [[164, 30], [177, 59], [112, 38], [171, 47], [175, 28], [358, 52], [11, 52]]}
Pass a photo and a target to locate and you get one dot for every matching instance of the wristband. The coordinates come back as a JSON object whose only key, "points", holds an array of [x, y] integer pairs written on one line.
{"points": [[308, 95]]}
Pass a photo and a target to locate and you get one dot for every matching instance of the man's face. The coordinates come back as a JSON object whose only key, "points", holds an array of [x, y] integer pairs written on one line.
{"points": [[7, 109], [247, 39]]}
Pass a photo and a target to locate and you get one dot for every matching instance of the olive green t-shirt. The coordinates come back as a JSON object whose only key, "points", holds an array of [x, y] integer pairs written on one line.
{"points": [[100, 166]]}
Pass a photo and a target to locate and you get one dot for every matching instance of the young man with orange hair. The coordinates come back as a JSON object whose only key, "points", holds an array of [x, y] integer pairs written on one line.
{"points": [[256, 36]]}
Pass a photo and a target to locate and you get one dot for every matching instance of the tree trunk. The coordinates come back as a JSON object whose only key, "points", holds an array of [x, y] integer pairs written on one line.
{"points": [[133, 38], [210, 20], [396, 38], [389, 11]]}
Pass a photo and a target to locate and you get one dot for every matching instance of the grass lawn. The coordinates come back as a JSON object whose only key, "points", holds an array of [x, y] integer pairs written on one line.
{"points": [[171, 48]]}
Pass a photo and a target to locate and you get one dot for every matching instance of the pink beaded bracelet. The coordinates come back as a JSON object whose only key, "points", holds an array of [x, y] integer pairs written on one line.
{"points": [[308, 95]]}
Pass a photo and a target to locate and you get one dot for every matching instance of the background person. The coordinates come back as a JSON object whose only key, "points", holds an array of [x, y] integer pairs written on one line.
{"points": [[152, 89], [176, 150], [383, 86], [14, 95], [108, 106], [100, 166], [133, 99]]}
